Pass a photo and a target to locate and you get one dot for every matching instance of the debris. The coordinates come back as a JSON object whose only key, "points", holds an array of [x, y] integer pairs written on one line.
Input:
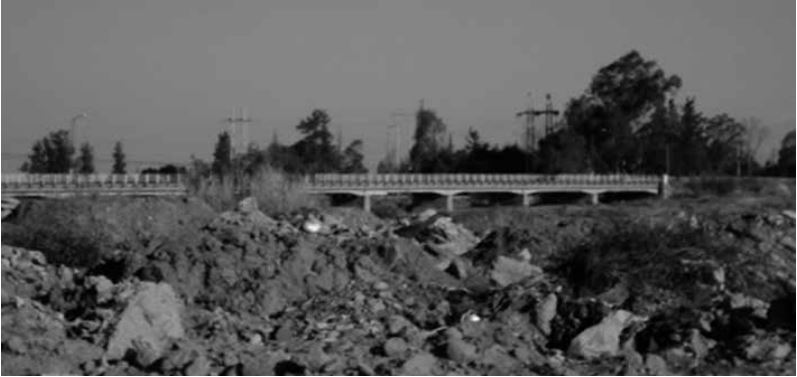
{"points": [[545, 313], [420, 364], [149, 322], [602, 339], [507, 271]]}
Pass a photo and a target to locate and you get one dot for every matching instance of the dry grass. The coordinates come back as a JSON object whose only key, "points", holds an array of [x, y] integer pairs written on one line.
{"points": [[276, 192]]}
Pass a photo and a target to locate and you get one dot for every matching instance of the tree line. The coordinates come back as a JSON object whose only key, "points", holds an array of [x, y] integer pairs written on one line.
{"points": [[55, 153], [627, 120]]}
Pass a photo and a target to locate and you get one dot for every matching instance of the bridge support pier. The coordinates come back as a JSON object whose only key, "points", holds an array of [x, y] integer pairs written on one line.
{"points": [[594, 197], [450, 202], [664, 186], [367, 203], [526, 199]]}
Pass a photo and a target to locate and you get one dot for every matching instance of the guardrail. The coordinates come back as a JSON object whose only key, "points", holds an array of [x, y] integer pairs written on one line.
{"points": [[68, 181], [329, 181]]}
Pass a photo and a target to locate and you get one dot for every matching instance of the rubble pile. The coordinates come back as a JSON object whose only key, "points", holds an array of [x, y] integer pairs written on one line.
{"points": [[312, 294]]}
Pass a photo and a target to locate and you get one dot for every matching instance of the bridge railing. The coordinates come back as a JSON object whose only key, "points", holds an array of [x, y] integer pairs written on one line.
{"points": [[321, 181], [84, 181]]}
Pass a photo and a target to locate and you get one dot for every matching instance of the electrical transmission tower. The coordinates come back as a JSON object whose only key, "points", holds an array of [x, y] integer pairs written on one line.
{"points": [[394, 130], [238, 129], [549, 114], [529, 142]]}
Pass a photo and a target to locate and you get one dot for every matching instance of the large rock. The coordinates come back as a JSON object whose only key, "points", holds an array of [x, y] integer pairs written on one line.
{"points": [[507, 271], [150, 322], [546, 311], [450, 238], [602, 339], [421, 364]]}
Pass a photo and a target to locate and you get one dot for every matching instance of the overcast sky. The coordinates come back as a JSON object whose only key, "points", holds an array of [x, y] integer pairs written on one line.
{"points": [[161, 75]]}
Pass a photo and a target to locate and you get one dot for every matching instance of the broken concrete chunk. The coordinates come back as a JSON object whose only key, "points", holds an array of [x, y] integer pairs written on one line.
{"points": [[602, 339], [507, 271], [151, 320]]}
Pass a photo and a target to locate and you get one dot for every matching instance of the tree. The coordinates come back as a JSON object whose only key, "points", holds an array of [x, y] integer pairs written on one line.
{"points": [[222, 161], [691, 142], [315, 149], [724, 142], [430, 132], [786, 156], [85, 162], [632, 86], [119, 164], [51, 154], [352, 159], [616, 104]]}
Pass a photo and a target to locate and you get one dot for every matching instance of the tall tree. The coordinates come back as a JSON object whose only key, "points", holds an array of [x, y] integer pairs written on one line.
{"points": [[617, 103], [430, 132], [222, 159], [119, 163], [352, 159], [85, 161], [786, 156], [316, 149]]}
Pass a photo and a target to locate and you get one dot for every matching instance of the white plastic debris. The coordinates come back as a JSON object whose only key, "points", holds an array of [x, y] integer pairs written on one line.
{"points": [[312, 226]]}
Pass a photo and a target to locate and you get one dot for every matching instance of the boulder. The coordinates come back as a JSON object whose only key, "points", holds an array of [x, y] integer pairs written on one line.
{"points": [[151, 320], [395, 347], [602, 339], [248, 205], [507, 271], [546, 311], [458, 349], [420, 364]]}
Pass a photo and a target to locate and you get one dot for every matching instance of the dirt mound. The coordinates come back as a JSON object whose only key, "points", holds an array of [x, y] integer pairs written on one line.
{"points": [[695, 289]]}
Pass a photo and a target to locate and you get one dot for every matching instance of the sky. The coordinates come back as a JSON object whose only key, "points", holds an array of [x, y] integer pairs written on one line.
{"points": [[161, 75]]}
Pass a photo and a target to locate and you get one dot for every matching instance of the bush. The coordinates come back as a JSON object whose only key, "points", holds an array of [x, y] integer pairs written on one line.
{"points": [[53, 229], [276, 192], [656, 264]]}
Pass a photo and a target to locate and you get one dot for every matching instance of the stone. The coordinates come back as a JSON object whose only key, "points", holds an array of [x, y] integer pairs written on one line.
{"points": [[499, 360], [381, 286], [248, 205], [151, 319], [198, 367], [456, 239], [457, 349], [656, 365], [420, 364], [507, 271], [602, 339], [395, 347], [397, 325], [427, 214], [102, 287], [546, 311]]}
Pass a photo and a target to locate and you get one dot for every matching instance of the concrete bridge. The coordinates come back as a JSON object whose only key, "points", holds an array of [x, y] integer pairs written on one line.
{"points": [[364, 185], [66, 185], [450, 185]]}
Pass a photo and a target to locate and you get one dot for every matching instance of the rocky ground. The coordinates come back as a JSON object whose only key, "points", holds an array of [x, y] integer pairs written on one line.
{"points": [[693, 286]]}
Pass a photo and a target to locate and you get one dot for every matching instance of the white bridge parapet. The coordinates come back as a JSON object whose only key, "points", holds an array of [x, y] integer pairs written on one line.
{"points": [[60, 185]]}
